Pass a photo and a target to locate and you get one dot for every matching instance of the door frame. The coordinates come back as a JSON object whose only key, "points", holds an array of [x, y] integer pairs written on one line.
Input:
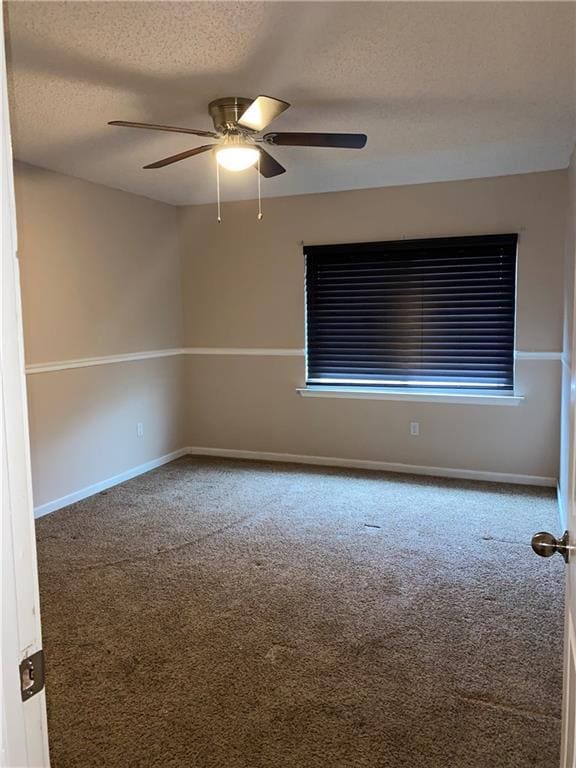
{"points": [[24, 734]]}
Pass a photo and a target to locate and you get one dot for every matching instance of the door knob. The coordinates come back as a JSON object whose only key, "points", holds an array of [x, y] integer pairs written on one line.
{"points": [[546, 545]]}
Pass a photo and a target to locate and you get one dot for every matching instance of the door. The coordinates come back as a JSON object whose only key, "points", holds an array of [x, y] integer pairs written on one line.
{"points": [[568, 480], [24, 740], [546, 544], [569, 705]]}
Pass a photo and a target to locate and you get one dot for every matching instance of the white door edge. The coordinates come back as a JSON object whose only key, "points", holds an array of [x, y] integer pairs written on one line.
{"points": [[23, 739]]}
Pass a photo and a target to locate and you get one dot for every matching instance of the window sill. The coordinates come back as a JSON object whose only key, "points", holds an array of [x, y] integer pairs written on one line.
{"points": [[419, 396]]}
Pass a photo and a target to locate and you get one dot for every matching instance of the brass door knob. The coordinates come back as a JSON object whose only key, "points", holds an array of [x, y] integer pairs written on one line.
{"points": [[546, 545]]}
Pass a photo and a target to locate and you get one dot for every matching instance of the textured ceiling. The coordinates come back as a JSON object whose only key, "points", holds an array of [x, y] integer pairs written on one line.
{"points": [[443, 90]]}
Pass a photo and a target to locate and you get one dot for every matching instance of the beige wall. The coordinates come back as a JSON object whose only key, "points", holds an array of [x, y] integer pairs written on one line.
{"points": [[100, 268], [244, 287], [244, 278], [106, 272], [100, 275], [83, 422]]}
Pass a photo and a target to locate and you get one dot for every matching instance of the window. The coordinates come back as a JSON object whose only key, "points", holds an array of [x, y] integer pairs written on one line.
{"points": [[427, 314]]}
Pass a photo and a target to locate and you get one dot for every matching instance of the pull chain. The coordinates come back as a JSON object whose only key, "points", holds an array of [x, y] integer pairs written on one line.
{"points": [[218, 189], [259, 195]]}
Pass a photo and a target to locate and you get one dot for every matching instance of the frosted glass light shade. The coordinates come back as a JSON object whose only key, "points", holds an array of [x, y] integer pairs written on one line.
{"points": [[237, 158]]}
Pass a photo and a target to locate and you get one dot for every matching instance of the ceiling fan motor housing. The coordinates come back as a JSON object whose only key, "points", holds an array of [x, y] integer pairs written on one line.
{"points": [[226, 112]]}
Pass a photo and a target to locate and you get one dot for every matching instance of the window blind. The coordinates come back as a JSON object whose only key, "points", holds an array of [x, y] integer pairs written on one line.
{"points": [[412, 313]]}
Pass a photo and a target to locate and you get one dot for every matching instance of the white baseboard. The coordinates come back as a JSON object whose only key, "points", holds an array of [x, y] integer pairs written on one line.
{"points": [[90, 490], [382, 466], [293, 458]]}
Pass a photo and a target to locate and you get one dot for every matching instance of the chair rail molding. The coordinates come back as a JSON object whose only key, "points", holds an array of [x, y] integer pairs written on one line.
{"points": [[128, 357], [87, 362], [250, 351], [529, 355]]}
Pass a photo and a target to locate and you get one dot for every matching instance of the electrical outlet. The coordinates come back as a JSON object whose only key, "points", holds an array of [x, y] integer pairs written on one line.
{"points": [[140, 429], [415, 428]]}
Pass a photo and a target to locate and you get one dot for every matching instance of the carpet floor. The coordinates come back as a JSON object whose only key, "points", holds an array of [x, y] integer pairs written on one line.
{"points": [[231, 614]]}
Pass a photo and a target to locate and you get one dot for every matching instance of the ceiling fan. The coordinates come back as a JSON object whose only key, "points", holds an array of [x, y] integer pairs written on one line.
{"points": [[237, 123]]}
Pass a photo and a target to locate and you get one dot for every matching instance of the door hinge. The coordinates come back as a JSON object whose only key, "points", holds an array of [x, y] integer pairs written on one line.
{"points": [[32, 675]]}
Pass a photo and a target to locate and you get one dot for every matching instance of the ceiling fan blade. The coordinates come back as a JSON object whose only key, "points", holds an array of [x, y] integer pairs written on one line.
{"points": [[268, 166], [171, 128], [338, 140], [180, 156], [261, 112]]}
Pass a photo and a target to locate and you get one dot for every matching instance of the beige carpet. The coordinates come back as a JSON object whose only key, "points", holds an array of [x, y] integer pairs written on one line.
{"points": [[226, 614]]}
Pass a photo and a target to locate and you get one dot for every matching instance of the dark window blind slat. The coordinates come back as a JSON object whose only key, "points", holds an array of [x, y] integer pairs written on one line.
{"points": [[427, 313]]}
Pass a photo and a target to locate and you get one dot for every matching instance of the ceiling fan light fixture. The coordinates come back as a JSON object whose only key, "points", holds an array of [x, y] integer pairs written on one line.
{"points": [[237, 157]]}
